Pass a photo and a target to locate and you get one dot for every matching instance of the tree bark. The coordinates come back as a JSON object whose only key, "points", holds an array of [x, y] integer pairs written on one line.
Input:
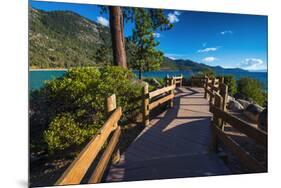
{"points": [[117, 36]]}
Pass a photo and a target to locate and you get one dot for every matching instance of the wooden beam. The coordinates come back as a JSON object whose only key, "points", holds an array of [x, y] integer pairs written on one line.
{"points": [[258, 135], [160, 101], [161, 91], [145, 103], [101, 166], [78, 168], [245, 158]]}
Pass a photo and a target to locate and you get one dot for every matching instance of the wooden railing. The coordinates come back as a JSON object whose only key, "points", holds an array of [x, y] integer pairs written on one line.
{"points": [[221, 116], [155, 98], [78, 168], [178, 80], [213, 86]]}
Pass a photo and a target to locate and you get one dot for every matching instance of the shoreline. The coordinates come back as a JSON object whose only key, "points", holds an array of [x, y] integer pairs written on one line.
{"points": [[54, 69]]}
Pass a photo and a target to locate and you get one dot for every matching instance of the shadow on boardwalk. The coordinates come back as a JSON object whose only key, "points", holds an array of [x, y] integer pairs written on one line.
{"points": [[175, 144]]}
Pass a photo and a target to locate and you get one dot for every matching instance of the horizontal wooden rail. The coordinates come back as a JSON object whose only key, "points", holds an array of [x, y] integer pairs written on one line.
{"points": [[177, 77], [258, 135], [99, 170], [161, 91], [244, 157], [78, 168], [160, 101]]}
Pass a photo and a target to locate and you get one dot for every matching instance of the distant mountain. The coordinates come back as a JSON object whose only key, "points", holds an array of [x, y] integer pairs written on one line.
{"points": [[63, 39], [185, 64]]}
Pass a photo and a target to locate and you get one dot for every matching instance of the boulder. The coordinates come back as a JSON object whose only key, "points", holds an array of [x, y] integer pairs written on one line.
{"points": [[244, 103], [253, 111], [233, 105], [262, 122], [229, 98]]}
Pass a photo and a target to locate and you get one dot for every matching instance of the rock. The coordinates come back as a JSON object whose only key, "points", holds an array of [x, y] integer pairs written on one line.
{"points": [[262, 122], [233, 105], [239, 96], [244, 103], [229, 98], [253, 111]]}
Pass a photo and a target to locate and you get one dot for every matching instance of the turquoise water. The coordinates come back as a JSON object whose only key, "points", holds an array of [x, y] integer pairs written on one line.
{"points": [[37, 78]]}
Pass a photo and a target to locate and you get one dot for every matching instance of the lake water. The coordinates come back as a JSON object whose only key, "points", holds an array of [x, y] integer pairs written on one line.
{"points": [[38, 77]]}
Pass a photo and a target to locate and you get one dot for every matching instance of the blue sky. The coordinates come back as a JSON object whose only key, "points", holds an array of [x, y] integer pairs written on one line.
{"points": [[228, 40]]}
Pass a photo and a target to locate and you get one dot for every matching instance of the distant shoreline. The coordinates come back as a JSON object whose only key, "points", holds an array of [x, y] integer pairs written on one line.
{"points": [[55, 69]]}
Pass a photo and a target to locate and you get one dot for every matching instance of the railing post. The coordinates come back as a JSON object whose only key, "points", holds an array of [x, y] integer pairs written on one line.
{"points": [[181, 80], [206, 86], [110, 107], [171, 82], [221, 80], [212, 90], [224, 94], [214, 139], [218, 104], [145, 104]]}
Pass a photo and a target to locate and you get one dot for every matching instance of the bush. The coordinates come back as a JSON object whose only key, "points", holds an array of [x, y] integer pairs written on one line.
{"points": [[252, 89], [78, 100]]}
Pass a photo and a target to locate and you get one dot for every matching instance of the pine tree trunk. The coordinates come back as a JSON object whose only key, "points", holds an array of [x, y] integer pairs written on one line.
{"points": [[117, 36]]}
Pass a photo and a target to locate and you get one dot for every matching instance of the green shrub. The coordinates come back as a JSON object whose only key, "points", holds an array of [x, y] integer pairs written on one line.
{"points": [[252, 89], [64, 132], [78, 99]]}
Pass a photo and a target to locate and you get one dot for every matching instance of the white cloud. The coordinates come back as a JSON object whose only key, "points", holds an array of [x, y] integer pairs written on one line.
{"points": [[208, 49], [209, 59], [157, 35], [176, 56], [103, 21], [251, 63], [177, 13], [226, 32], [173, 17]]}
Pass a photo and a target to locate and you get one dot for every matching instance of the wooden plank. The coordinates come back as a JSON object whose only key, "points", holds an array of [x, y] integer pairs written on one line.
{"points": [[101, 166], [160, 91], [160, 101], [79, 167], [245, 158], [258, 135]]}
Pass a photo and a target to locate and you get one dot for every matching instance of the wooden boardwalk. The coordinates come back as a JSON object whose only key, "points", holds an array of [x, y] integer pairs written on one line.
{"points": [[176, 144]]}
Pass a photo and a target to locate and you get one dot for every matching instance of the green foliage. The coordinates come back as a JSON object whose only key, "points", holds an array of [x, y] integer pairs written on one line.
{"points": [[252, 89], [78, 100], [64, 132], [146, 56], [208, 72], [63, 39]]}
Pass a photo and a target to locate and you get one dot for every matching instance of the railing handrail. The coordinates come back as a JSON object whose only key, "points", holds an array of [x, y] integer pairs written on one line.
{"points": [[147, 105], [258, 135], [218, 100], [161, 91], [78, 168]]}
